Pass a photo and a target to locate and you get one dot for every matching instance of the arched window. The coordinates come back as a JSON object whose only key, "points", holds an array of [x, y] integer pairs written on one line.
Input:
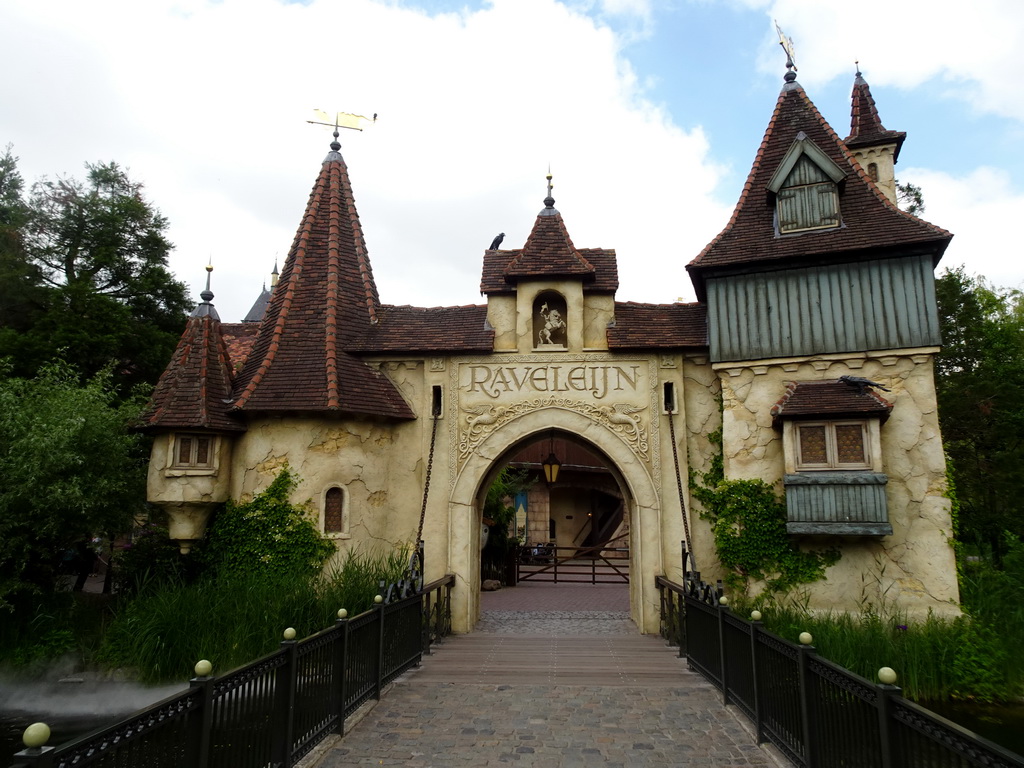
{"points": [[549, 321], [334, 511], [873, 171]]}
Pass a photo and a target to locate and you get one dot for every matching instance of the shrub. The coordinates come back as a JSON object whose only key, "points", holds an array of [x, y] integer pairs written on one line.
{"points": [[268, 535]]}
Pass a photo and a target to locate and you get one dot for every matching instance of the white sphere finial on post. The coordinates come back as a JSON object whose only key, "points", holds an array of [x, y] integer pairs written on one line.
{"points": [[36, 735], [805, 638], [289, 634], [342, 614], [887, 676], [203, 668]]}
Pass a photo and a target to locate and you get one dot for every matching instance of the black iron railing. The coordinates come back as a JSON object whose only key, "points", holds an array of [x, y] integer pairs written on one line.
{"points": [[817, 713], [273, 711]]}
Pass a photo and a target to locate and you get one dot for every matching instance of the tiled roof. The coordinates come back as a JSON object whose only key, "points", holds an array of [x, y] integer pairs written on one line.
{"points": [[871, 225], [437, 329], [829, 399], [658, 326], [238, 338], [259, 307], [325, 300], [549, 253], [195, 389], [866, 127], [604, 278]]}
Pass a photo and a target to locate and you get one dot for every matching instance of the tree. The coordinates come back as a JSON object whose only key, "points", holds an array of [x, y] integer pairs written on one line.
{"points": [[70, 468], [909, 198], [92, 260], [979, 380]]}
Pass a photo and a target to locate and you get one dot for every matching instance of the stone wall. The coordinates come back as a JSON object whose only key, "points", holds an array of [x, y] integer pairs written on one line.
{"points": [[914, 568]]}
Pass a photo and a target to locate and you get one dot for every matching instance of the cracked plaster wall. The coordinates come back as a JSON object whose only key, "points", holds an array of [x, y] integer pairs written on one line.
{"points": [[702, 417], [915, 566]]}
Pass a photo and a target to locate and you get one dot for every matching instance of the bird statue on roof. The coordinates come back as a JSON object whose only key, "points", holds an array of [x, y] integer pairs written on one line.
{"points": [[497, 241], [862, 384]]}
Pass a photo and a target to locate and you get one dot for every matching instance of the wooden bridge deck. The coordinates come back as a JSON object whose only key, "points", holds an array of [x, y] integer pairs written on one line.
{"points": [[555, 660]]}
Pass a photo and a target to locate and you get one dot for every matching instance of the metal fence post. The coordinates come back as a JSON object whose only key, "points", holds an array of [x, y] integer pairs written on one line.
{"points": [[285, 680], [380, 646], [341, 668], [681, 618], [804, 652], [885, 694], [203, 685], [755, 627], [720, 610]]}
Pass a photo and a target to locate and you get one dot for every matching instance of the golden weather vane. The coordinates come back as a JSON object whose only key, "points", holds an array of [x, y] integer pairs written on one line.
{"points": [[341, 120], [787, 46]]}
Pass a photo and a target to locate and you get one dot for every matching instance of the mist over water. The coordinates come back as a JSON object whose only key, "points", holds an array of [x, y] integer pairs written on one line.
{"points": [[71, 705]]}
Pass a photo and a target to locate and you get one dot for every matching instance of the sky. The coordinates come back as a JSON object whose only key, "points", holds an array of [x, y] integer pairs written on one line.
{"points": [[647, 112]]}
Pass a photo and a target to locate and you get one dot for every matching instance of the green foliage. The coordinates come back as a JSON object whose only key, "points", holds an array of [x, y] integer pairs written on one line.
{"points": [[70, 468], [83, 274], [936, 659], [748, 522], [234, 619], [979, 378], [268, 535], [909, 198]]}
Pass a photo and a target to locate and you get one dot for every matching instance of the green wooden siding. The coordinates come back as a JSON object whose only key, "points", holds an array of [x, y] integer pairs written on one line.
{"points": [[837, 504], [881, 304]]}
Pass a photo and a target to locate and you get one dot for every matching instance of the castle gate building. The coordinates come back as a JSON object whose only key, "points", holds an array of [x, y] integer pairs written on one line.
{"points": [[817, 284]]}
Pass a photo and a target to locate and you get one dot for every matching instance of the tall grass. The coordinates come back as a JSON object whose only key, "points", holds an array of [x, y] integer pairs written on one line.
{"points": [[230, 621], [936, 658]]}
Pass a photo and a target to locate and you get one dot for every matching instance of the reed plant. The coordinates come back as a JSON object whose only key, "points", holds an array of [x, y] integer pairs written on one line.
{"points": [[936, 658], [234, 619]]}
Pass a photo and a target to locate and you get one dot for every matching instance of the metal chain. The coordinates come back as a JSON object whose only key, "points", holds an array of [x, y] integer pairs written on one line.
{"points": [[426, 485], [679, 485]]}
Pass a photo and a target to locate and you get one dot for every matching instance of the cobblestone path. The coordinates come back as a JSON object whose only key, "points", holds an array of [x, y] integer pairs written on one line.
{"points": [[564, 686]]}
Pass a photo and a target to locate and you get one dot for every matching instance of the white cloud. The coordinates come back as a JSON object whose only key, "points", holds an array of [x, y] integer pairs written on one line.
{"points": [[978, 209], [973, 48], [206, 103]]}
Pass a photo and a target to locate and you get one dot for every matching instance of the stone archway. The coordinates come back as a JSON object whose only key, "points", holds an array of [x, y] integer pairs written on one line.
{"points": [[642, 504]]}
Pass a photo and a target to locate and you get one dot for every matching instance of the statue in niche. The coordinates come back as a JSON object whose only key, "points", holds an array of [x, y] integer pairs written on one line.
{"points": [[549, 322]]}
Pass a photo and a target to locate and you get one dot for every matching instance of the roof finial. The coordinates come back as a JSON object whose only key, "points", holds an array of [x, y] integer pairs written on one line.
{"points": [[787, 46], [858, 78], [205, 308], [207, 295], [549, 201]]}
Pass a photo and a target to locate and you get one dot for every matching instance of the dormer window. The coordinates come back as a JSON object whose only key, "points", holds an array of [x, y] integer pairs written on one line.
{"points": [[806, 189]]}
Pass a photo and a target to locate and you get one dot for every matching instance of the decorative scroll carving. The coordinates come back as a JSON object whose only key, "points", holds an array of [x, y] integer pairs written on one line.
{"points": [[479, 421]]}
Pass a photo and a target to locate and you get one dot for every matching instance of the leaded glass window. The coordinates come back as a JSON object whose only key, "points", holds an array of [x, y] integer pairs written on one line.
{"points": [[832, 445]]}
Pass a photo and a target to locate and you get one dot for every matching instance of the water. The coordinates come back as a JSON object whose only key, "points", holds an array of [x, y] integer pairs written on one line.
{"points": [[71, 708], [1003, 724]]}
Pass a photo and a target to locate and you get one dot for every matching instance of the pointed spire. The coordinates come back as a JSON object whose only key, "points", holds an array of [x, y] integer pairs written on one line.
{"points": [[865, 123], [870, 222], [274, 275], [195, 388], [325, 300], [549, 250]]}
